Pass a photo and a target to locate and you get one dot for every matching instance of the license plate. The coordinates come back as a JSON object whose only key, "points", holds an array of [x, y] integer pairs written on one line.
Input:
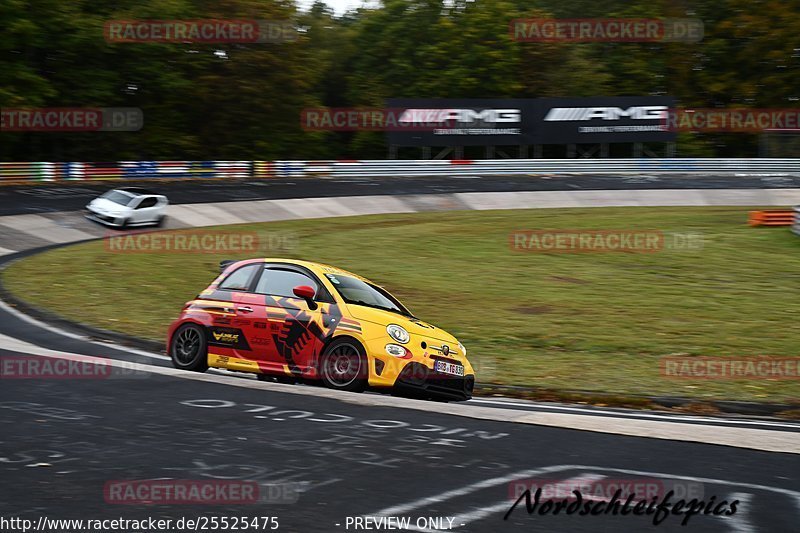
{"points": [[449, 368]]}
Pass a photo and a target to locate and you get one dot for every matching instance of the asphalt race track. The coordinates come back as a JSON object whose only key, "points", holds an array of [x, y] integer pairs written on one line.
{"points": [[323, 461], [319, 460], [319, 457], [36, 198]]}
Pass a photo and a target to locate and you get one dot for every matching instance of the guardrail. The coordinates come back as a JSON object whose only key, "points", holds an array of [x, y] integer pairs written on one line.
{"points": [[137, 170], [536, 167], [121, 170]]}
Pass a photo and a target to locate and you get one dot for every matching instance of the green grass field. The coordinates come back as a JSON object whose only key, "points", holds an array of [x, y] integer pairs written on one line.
{"points": [[591, 321]]}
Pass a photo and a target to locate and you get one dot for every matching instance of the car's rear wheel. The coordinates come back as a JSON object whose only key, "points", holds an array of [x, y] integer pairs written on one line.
{"points": [[343, 366], [159, 222], [189, 349]]}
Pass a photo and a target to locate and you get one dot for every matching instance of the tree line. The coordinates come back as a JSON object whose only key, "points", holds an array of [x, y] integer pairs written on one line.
{"points": [[242, 101]]}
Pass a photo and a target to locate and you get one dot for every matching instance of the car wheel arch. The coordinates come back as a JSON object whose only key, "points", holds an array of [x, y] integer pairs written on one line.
{"points": [[361, 381], [333, 338], [183, 322], [199, 359]]}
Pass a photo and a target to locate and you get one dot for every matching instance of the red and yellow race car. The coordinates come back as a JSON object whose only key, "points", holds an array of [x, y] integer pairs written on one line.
{"points": [[288, 320]]}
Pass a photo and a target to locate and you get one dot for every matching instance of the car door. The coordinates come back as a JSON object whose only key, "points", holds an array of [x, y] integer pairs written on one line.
{"points": [[251, 320], [294, 329], [146, 211], [227, 334]]}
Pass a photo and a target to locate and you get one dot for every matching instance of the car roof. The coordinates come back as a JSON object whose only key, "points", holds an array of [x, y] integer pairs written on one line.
{"points": [[137, 191], [319, 268]]}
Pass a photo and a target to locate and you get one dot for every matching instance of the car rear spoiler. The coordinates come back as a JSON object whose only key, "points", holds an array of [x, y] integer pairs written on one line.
{"points": [[225, 263]]}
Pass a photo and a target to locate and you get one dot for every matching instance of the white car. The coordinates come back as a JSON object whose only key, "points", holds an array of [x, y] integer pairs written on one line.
{"points": [[128, 206]]}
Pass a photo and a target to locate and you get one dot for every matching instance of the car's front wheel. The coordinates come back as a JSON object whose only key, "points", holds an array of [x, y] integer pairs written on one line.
{"points": [[189, 349], [343, 366]]}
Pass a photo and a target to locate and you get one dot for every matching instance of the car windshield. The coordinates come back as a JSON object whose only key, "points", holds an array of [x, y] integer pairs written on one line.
{"points": [[118, 197], [358, 292]]}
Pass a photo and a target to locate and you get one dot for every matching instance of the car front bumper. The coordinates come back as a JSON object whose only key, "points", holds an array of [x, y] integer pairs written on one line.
{"points": [[419, 380], [103, 219]]}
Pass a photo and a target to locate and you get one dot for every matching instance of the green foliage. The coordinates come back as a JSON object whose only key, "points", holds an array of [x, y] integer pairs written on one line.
{"points": [[245, 104]]}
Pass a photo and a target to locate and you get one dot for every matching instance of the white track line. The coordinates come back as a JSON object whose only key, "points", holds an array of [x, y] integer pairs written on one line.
{"points": [[753, 438], [759, 439], [637, 414], [482, 512], [740, 522], [52, 329], [22, 316], [464, 491]]}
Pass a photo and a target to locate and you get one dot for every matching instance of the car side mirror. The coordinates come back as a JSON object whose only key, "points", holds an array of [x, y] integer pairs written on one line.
{"points": [[306, 293]]}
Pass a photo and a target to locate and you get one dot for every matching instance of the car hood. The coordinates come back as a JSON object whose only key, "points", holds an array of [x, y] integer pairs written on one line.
{"points": [[413, 325], [105, 205]]}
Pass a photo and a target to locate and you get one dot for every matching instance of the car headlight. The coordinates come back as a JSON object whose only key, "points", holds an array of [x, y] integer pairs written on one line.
{"points": [[462, 348], [398, 333]]}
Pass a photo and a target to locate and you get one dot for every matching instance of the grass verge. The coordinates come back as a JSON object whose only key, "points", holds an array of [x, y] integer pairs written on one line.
{"points": [[590, 321]]}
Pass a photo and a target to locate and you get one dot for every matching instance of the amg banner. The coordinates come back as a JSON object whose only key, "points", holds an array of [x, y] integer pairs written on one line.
{"points": [[621, 119], [490, 122], [462, 122]]}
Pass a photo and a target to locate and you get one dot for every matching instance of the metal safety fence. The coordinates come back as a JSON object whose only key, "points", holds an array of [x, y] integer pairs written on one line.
{"points": [[125, 170], [211, 170]]}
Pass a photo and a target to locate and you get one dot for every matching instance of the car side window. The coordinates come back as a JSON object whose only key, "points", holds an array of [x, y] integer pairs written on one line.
{"points": [[281, 282], [147, 202], [240, 279]]}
